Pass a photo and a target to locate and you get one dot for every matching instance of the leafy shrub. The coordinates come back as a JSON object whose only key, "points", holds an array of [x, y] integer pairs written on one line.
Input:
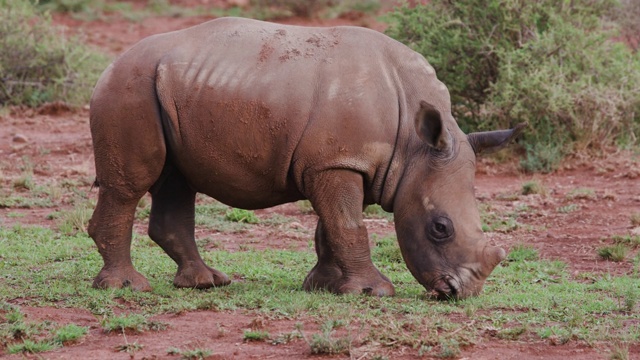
{"points": [[38, 64], [551, 63], [627, 15]]}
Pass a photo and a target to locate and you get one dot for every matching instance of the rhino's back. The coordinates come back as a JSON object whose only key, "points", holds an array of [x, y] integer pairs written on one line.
{"points": [[248, 106]]}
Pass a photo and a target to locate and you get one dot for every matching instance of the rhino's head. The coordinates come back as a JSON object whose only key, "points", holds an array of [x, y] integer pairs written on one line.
{"points": [[437, 220]]}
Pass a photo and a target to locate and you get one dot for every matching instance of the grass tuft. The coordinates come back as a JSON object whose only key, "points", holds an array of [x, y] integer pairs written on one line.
{"points": [[581, 194], [69, 333], [615, 253], [241, 216], [629, 240], [568, 208], [130, 323], [75, 220], [324, 343], [533, 187], [30, 346], [255, 335], [194, 354], [523, 253]]}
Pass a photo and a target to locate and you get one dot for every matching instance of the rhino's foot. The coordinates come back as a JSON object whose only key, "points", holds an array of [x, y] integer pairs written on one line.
{"points": [[200, 276], [117, 279], [331, 278]]}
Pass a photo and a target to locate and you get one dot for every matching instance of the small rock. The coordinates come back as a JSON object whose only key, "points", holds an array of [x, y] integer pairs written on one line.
{"points": [[19, 138], [296, 225], [635, 231]]}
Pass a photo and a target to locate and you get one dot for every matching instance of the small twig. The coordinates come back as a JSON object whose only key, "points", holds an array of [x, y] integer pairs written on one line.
{"points": [[469, 324]]}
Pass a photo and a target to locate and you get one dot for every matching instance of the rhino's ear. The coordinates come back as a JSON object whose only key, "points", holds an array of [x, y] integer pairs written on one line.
{"points": [[431, 128], [491, 141]]}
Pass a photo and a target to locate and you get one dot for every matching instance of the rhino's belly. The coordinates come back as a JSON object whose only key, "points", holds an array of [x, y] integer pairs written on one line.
{"points": [[241, 191], [238, 151]]}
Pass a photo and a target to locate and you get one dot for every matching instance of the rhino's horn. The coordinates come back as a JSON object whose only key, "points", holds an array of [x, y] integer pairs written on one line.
{"points": [[491, 141]]}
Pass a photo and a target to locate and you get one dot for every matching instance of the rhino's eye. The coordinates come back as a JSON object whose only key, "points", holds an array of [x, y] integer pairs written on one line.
{"points": [[441, 228]]}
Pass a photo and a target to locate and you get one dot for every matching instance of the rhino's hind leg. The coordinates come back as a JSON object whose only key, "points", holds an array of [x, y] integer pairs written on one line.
{"points": [[110, 227], [171, 225], [344, 258]]}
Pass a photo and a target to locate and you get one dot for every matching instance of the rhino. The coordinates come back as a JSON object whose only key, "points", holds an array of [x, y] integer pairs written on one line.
{"points": [[256, 114]]}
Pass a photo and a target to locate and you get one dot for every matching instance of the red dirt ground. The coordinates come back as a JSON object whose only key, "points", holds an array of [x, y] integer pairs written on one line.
{"points": [[58, 144]]}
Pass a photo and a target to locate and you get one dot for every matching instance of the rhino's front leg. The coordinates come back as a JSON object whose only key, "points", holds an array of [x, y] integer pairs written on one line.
{"points": [[344, 258]]}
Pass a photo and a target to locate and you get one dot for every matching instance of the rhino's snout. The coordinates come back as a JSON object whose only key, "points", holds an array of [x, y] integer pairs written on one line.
{"points": [[446, 288], [467, 281]]}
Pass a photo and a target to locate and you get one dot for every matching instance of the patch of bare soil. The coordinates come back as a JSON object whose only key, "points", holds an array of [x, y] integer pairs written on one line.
{"points": [[55, 143], [582, 207]]}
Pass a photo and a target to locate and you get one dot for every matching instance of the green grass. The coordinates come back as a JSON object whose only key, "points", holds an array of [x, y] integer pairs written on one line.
{"points": [[566, 209], [70, 333], [582, 194], [629, 240], [130, 348], [533, 187], [326, 342], [136, 323], [30, 346], [525, 297], [193, 354], [521, 253], [376, 212], [493, 221], [39, 64], [617, 252], [241, 216], [256, 335]]}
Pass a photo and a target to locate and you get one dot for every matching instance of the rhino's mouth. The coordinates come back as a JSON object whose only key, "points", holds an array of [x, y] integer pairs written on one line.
{"points": [[445, 287]]}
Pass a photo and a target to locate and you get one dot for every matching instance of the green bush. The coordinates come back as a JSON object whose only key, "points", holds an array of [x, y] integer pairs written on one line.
{"points": [[38, 63], [551, 63]]}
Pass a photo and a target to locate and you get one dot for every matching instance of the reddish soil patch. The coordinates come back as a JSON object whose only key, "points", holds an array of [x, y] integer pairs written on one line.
{"points": [[55, 142]]}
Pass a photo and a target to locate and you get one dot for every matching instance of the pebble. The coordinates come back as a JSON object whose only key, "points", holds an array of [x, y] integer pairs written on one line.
{"points": [[296, 225], [19, 138]]}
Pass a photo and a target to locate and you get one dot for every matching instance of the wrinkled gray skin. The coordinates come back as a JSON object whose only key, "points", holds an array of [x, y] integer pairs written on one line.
{"points": [[256, 114]]}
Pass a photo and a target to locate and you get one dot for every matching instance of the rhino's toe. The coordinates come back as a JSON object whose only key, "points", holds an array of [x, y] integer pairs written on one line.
{"points": [[381, 287], [117, 280], [200, 276]]}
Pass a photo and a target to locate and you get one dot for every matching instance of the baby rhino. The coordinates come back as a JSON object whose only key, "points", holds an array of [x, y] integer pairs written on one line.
{"points": [[256, 114]]}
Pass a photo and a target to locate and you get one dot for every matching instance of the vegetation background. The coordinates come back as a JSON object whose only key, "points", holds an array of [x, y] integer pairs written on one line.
{"points": [[569, 68]]}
